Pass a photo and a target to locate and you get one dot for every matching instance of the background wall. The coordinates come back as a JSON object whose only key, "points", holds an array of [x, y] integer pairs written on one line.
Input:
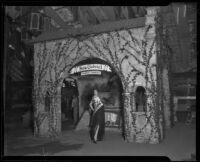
{"points": [[103, 84]]}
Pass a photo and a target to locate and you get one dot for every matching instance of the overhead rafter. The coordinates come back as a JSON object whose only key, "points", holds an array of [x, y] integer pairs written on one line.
{"points": [[74, 10], [124, 12], [109, 11], [50, 12], [83, 16], [93, 18], [99, 13]]}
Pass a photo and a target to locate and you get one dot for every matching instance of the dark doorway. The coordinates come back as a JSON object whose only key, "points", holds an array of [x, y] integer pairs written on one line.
{"points": [[140, 99], [69, 103]]}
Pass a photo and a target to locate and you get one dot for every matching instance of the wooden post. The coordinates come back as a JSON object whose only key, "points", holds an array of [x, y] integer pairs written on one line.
{"points": [[128, 126], [166, 97], [5, 61]]}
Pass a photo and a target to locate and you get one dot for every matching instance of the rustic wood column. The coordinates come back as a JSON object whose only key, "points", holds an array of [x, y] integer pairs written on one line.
{"points": [[55, 116], [6, 25], [128, 126], [58, 113], [41, 118], [166, 97], [175, 109]]}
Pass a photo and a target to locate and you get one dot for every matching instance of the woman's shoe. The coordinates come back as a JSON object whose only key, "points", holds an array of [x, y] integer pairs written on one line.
{"points": [[95, 141]]}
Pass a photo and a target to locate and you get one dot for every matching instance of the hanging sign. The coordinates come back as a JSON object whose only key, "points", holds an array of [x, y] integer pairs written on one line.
{"points": [[91, 73], [90, 67]]}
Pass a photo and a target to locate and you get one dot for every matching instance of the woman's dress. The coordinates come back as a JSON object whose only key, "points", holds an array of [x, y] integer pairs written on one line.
{"points": [[97, 120]]}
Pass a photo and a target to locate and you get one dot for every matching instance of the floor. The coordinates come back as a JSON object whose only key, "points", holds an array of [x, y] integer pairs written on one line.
{"points": [[179, 144]]}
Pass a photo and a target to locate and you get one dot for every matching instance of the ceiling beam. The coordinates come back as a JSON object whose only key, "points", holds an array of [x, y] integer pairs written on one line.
{"points": [[83, 16], [93, 18], [86, 16], [74, 10], [117, 11], [124, 12], [50, 12], [15, 74], [99, 13], [138, 11], [15, 62], [16, 70], [109, 11]]}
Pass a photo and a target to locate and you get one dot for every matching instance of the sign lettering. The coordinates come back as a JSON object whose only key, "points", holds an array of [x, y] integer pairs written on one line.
{"points": [[90, 67], [91, 73]]}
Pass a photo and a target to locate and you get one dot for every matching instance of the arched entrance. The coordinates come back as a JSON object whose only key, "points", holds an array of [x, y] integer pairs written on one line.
{"points": [[96, 73]]}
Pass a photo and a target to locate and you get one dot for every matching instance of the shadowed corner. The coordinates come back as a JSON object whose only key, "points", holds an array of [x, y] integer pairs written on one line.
{"points": [[192, 158], [44, 149]]}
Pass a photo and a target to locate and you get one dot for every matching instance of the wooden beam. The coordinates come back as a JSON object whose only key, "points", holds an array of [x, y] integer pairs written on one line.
{"points": [[124, 12], [92, 18], [99, 13], [6, 27], [92, 29], [16, 71], [74, 10], [14, 62], [117, 11], [82, 16], [50, 12], [13, 74], [55, 8], [109, 11]]}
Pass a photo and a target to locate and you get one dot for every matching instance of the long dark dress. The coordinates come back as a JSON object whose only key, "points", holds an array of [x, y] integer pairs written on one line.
{"points": [[97, 128]]}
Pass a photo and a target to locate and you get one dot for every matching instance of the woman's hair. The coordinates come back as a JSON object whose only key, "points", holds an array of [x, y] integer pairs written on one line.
{"points": [[95, 88]]}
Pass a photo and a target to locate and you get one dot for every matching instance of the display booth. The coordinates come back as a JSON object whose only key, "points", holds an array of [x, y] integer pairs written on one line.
{"points": [[120, 59]]}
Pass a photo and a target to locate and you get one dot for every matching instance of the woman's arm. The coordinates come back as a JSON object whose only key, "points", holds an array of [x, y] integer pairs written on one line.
{"points": [[91, 107]]}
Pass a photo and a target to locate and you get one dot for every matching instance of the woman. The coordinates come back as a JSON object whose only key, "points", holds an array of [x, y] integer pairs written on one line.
{"points": [[97, 118]]}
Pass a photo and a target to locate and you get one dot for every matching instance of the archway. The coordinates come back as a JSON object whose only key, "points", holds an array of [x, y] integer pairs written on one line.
{"points": [[96, 73]]}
